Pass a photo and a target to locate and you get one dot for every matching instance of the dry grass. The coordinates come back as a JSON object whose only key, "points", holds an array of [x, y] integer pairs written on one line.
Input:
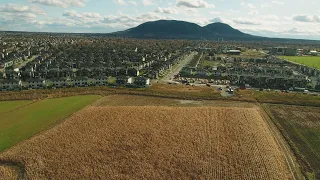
{"points": [[8, 173], [154, 143], [131, 100], [301, 128]]}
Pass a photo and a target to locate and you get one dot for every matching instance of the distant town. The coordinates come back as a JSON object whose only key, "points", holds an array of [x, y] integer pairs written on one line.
{"points": [[46, 61]]}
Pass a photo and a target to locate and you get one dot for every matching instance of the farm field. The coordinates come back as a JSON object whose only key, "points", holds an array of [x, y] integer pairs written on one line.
{"points": [[311, 61], [278, 98], [107, 141], [301, 126], [136, 100], [7, 106], [25, 122]]}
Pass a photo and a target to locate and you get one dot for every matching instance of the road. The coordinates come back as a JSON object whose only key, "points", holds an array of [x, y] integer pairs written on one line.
{"points": [[176, 69], [24, 63]]}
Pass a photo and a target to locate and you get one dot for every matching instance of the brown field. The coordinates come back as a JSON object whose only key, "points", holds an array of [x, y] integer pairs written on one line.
{"points": [[154, 142], [129, 100], [8, 172], [301, 128]]}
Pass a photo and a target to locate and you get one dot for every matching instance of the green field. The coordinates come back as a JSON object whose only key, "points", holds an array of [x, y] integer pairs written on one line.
{"points": [[311, 61], [301, 127], [208, 63], [25, 122], [7, 106]]}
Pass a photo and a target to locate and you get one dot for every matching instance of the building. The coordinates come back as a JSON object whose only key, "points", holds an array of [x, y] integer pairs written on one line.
{"points": [[284, 51], [314, 53], [57, 83], [122, 80], [8, 85], [142, 81], [101, 81], [34, 83], [80, 82], [233, 52]]}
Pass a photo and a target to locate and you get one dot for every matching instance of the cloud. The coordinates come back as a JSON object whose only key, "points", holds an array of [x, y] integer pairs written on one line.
{"points": [[278, 2], [123, 21], [265, 5], [194, 4], [133, 3], [253, 12], [271, 17], [15, 8], [306, 18], [167, 10], [246, 21], [251, 6], [216, 19], [60, 3], [120, 2], [215, 13], [86, 15], [147, 2], [18, 16]]}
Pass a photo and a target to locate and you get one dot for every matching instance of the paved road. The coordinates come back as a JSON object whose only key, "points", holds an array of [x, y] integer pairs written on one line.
{"points": [[178, 68], [24, 63]]}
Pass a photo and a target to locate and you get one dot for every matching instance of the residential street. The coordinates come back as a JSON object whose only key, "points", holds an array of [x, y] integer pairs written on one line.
{"points": [[175, 70]]}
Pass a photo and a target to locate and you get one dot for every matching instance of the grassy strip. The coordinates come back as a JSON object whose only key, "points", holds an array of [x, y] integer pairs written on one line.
{"points": [[23, 123], [11, 105], [170, 91]]}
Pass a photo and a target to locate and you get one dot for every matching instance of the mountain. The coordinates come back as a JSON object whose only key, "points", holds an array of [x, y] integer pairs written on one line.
{"points": [[223, 29], [173, 29], [163, 27]]}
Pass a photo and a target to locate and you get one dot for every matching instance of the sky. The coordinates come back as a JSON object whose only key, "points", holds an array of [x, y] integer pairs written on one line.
{"points": [[278, 18]]}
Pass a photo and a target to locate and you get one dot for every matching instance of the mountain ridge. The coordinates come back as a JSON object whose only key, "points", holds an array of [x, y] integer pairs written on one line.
{"points": [[175, 29], [168, 29]]}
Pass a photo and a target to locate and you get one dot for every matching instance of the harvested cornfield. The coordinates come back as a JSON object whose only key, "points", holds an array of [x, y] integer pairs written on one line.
{"points": [[301, 127], [154, 143], [8, 172]]}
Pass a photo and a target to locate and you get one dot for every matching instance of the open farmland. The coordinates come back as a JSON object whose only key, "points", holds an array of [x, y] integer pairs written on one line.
{"points": [[23, 123], [311, 61], [7, 106], [140, 100], [154, 142], [301, 127]]}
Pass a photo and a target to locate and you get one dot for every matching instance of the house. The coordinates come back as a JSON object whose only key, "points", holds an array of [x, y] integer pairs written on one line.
{"points": [[34, 83], [101, 81], [284, 51], [142, 81], [122, 80], [133, 72], [233, 52], [8, 85], [57, 82], [314, 53], [80, 82]]}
